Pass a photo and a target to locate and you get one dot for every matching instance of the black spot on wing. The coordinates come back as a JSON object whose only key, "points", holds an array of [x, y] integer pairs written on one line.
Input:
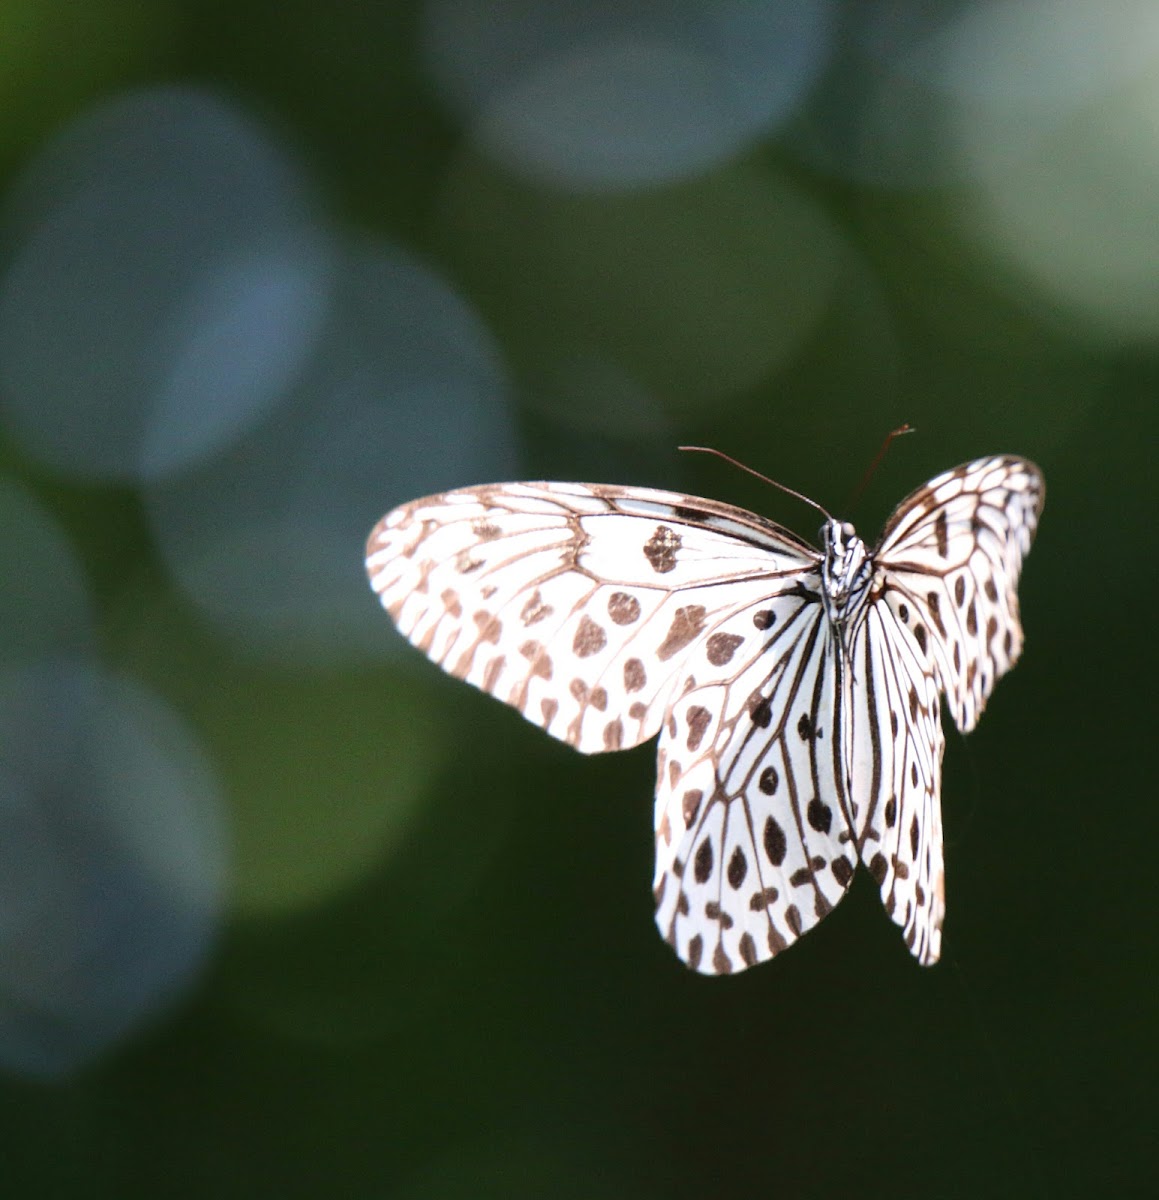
{"points": [[737, 868], [776, 846]]}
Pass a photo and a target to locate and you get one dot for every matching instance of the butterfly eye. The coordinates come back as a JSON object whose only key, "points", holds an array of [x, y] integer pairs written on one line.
{"points": [[847, 531]]}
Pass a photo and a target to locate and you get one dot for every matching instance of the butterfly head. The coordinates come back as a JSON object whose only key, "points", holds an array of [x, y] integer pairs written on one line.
{"points": [[846, 571]]}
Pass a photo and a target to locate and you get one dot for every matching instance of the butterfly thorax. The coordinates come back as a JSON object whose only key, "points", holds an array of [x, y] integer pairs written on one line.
{"points": [[846, 572]]}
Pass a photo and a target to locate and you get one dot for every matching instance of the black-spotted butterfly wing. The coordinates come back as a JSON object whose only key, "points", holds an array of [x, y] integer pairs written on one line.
{"points": [[608, 614]]}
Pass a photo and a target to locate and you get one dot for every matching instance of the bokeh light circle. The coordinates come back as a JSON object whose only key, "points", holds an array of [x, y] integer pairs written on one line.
{"points": [[607, 96], [403, 394], [324, 773], [1064, 158], [112, 862], [697, 292], [166, 281]]}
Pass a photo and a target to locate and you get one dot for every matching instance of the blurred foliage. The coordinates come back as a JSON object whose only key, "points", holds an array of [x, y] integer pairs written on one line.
{"points": [[466, 996]]}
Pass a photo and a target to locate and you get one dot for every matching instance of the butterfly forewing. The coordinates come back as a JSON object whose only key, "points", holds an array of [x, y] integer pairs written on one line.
{"points": [[793, 743], [574, 603], [952, 554]]}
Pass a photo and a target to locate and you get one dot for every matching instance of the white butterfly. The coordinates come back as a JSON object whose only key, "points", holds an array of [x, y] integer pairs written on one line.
{"points": [[796, 693]]}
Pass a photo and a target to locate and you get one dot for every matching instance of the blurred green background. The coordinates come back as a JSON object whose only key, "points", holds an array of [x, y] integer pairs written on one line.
{"points": [[283, 910]]}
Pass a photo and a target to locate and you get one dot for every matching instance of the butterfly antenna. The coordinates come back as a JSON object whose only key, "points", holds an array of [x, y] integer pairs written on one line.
{"points": [[859, 491], [756, 474]]}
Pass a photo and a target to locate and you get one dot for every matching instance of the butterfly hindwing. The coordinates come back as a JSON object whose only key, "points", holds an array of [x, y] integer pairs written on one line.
{"points": [[897, 746], [753, 844]]}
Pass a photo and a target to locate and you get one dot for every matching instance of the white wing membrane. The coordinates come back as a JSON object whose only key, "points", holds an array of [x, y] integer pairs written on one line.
{"points": [[897, 771], [796, 696], [574, 603], [952, 554], [753, 841]]}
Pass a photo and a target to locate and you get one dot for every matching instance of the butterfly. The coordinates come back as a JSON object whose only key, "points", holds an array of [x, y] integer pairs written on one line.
{"points": [[796, 692]]}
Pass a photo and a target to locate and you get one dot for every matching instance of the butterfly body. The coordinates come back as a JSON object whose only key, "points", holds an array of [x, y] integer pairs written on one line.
{"points": [[796, 693], [846, 574]]}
